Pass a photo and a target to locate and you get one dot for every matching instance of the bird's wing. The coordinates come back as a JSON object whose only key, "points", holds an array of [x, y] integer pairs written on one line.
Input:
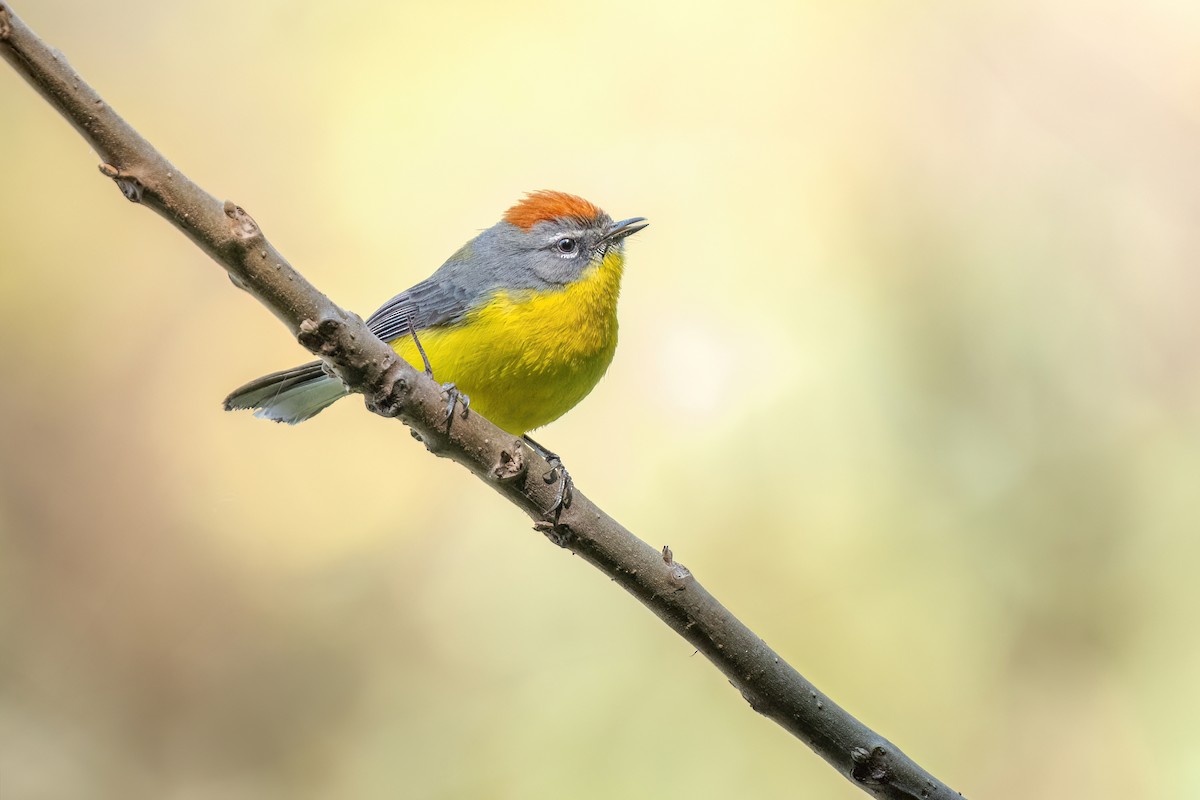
{"points": [[444, 297], [431, 302]]}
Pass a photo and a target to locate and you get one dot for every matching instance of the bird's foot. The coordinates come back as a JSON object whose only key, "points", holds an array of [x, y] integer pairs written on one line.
{"points": [[453, 396], [557, 472], [565, 486]]}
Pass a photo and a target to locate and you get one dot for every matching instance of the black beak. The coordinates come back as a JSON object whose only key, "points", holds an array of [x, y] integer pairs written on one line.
{"points": [[626, 227]]}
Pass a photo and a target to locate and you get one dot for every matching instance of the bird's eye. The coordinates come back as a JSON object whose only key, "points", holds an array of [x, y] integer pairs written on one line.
{"points": [[566, 245]]}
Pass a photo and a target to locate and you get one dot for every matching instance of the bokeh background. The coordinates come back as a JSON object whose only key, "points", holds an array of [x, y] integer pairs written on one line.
{"points": [[908, 378]]}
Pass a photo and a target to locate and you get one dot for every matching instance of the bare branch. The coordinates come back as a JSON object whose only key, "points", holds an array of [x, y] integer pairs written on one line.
{"points": [[392, 388]]}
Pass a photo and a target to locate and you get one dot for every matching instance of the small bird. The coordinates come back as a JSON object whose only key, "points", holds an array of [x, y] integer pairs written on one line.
{"points": [[521, 322]]}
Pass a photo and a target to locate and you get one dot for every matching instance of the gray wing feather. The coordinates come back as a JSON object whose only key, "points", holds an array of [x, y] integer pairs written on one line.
{"points": [[431, 302], [499, 257]]}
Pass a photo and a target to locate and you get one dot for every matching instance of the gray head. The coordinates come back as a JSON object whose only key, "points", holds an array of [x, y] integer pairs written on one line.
{"points": [[547, 239], [560, 235]]}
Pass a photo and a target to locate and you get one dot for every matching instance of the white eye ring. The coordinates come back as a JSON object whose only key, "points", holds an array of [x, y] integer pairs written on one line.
{"points": [[567, 246]]}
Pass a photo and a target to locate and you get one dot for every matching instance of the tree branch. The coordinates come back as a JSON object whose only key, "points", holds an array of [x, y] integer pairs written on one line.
{"points": [[393, 389]]}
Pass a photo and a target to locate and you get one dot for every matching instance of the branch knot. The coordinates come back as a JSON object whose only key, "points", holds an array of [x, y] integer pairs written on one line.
{"points": [[241, 223], [320, 338], [870, 767], [129, 185], [389, 401], [511, 465], [557, 532]]}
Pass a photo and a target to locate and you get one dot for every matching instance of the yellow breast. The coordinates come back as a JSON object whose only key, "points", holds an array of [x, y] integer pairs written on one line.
{"points": [[525, 358]]}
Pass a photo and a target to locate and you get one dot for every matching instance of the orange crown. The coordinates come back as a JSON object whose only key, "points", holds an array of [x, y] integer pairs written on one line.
{"points": [[546, 205]]}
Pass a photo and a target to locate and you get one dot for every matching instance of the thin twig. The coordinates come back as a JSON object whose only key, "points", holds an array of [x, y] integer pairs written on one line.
{"points": [[392, 388]]}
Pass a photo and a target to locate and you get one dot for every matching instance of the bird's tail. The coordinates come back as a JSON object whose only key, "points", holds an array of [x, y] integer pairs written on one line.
{"points": [[290, 396]]}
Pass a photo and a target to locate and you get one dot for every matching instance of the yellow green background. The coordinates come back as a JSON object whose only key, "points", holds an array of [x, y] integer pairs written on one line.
{"points": [[908, 378]]}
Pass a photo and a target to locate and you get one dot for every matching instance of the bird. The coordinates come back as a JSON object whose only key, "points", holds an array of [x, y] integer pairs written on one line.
{"points": [[520, 323]]}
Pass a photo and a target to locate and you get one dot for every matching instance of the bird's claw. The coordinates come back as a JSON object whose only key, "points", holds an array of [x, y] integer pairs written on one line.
{"points": [[453, 395], [563, 499]]}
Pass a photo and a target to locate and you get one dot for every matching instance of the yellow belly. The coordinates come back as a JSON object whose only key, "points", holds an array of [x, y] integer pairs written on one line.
{"points": [[526, 358]]}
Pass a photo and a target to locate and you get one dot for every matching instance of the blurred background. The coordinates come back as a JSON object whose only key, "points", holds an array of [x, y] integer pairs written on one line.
{"points": [[909, 378]]}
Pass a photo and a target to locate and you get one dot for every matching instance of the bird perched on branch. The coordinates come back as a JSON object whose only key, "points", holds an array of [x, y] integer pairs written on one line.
{"points": [[522, 320]]}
